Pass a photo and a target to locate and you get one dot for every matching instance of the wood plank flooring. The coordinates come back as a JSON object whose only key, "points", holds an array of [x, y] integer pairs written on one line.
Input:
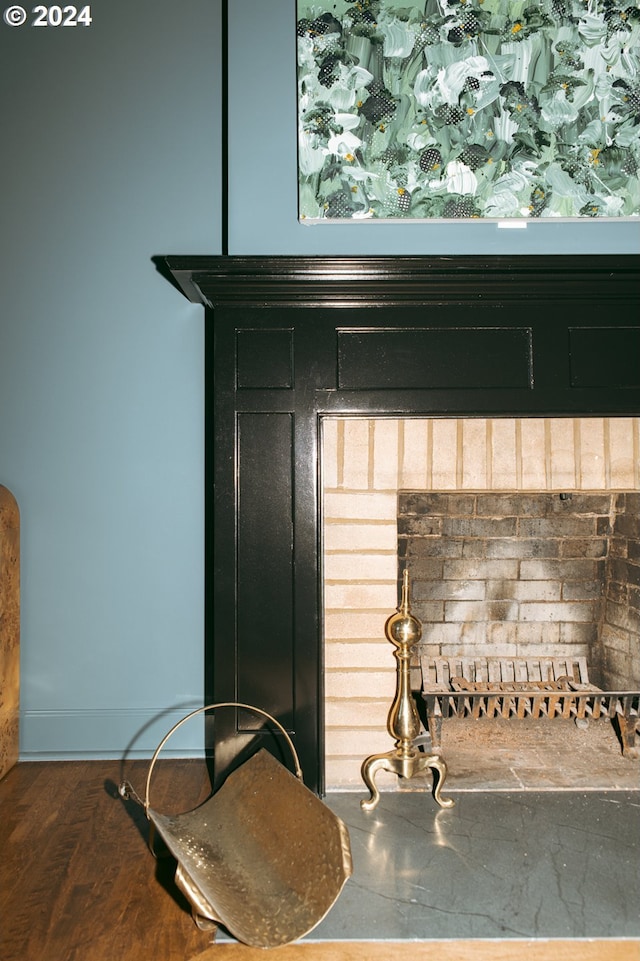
{"points": [[436, 950], [77, 882]]}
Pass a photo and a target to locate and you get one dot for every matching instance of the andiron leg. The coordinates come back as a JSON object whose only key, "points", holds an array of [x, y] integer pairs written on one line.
{"points": [[404, 766]]}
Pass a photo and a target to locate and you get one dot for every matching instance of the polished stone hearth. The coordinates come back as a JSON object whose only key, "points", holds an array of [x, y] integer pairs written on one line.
{"points": [[497, 865], [543, 841]]}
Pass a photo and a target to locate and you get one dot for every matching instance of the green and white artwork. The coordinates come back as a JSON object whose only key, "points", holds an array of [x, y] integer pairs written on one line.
{"points": [[472, 109]]}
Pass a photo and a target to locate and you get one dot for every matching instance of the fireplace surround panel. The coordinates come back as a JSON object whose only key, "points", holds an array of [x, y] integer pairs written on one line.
{"points": [[291, 342]]}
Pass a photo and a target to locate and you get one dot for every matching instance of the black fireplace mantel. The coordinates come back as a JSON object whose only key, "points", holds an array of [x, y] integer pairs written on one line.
{"points": [[291, 340]]}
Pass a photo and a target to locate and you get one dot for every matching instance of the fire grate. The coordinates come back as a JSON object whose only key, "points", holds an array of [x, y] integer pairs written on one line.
{"points": [[520, 688]]}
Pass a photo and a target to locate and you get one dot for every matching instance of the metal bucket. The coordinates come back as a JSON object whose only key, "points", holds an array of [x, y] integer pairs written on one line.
{"points": [[263, 856]]}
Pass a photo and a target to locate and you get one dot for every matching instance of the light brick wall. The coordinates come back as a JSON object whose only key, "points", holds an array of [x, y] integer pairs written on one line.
{"points": [[365, 463], [527, 568]]}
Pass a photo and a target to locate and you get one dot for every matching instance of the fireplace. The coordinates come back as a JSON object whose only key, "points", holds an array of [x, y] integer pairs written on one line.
{"points": [[294, 343], [521, 536]]}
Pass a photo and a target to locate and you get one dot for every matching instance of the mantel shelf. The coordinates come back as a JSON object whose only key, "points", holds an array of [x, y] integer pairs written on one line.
{"points": [[343, 280]]}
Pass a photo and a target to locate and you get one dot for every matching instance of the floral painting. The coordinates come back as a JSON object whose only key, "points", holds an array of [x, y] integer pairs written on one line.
{"points": [[474, 109]]}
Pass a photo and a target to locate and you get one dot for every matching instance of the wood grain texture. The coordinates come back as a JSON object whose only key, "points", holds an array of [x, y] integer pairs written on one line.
{"points": [[436, 950], [9, 629], [77, 882]]}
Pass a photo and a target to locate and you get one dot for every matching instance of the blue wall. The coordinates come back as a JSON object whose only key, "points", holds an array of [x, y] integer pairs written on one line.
{"points": [[263, 172], [111, 155]]}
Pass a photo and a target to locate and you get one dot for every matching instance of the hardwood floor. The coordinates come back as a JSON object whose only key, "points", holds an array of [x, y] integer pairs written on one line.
{"points": [[436, 950], [77, 882]]}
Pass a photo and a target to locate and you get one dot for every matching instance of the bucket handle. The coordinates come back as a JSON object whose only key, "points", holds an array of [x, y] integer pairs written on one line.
{"points": [[126, 789]]}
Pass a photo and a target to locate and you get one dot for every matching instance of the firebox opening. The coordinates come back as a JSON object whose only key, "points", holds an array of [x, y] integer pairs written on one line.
{"points": [[525, 533], [525, 574]]}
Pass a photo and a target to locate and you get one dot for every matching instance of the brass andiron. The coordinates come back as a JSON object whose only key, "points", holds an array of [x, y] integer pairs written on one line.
{"points": [[403, 630]]}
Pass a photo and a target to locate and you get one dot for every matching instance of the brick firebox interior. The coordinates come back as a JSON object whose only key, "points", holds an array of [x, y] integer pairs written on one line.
{"points": [[366, 466]]}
